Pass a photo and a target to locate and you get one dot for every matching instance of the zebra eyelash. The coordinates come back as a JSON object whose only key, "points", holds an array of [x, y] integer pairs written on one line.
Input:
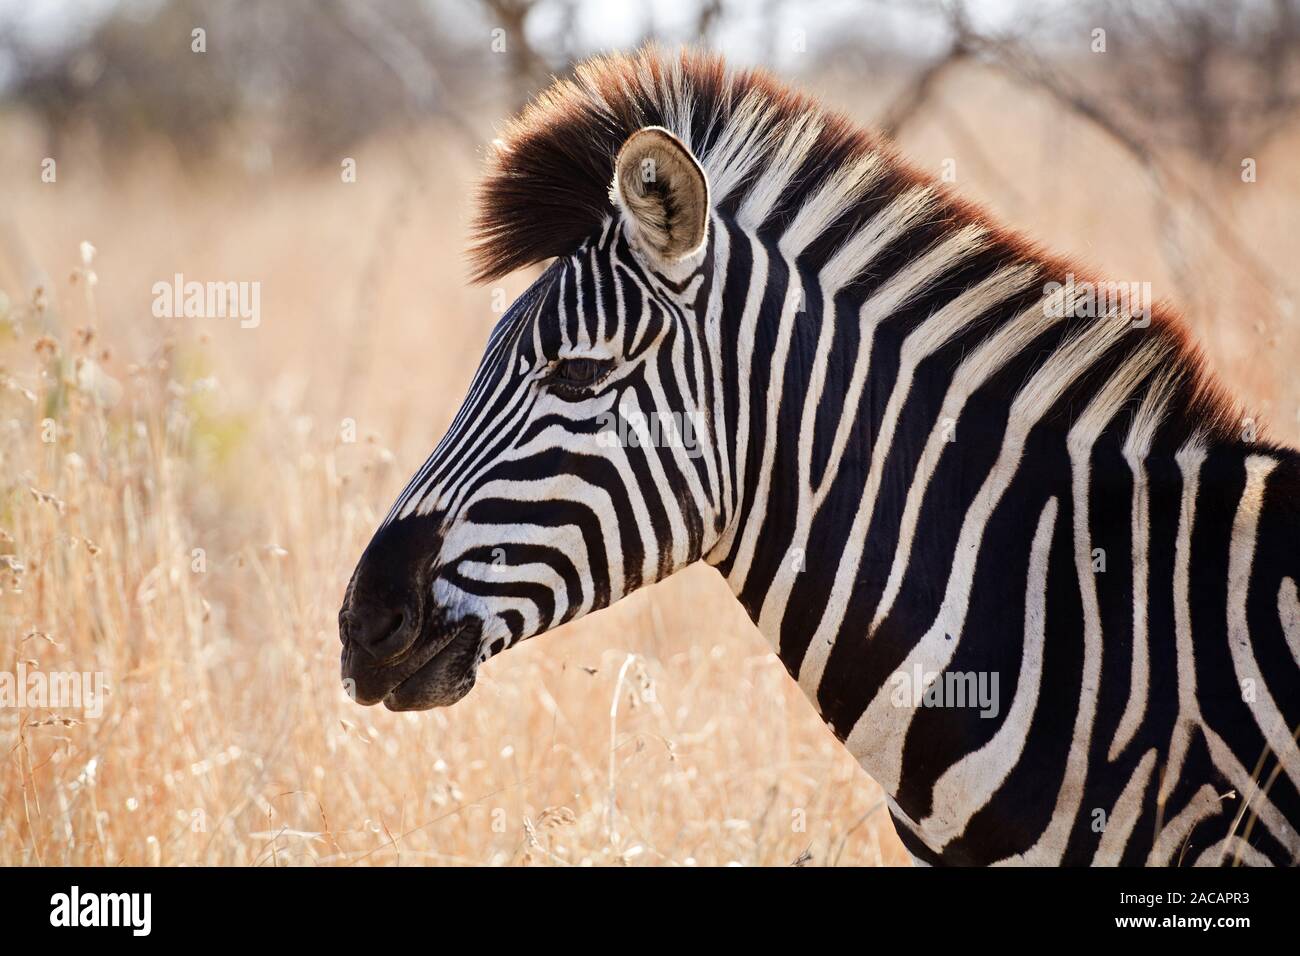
{"points": [[577, 376]]}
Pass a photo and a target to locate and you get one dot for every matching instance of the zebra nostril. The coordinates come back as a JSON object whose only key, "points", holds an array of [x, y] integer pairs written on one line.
{"points": [[385, 603], [381, 634]]}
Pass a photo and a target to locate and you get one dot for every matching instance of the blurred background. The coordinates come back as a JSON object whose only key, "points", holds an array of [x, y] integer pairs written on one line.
{"points": [[183, 499]]}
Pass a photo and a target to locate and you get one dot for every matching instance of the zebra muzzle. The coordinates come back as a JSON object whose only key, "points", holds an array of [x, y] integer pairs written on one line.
{"points": [[399, 647], [437, 669]]}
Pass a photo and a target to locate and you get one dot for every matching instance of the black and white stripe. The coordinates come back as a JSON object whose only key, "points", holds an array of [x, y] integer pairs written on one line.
{"points": [[915, 451]]}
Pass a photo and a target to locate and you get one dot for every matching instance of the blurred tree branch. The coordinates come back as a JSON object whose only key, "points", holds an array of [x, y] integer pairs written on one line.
{"points": [[1010, 55], [425, 90], [921, 89], [529, 70]]}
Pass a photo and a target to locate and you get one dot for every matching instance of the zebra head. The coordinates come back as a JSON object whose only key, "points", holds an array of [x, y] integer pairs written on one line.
{"points": [[582, 463]]}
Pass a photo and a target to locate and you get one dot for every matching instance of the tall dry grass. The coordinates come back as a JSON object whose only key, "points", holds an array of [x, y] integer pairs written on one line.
{"points": [[660, 732], [190, 526], [191, 541]]}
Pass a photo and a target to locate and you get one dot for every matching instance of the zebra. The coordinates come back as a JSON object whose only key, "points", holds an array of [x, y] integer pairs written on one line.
{"points": [[921, 458]]}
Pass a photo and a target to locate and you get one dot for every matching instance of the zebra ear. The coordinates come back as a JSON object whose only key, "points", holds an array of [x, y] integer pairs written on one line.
{"points": [[663, 194]]}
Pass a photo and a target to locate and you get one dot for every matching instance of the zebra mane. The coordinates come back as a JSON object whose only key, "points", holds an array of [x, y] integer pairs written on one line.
{"points": [[761, 144], [546, 187]]}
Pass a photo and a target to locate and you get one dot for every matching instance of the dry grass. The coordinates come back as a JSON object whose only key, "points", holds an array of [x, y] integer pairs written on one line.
{"points": [[226, 738]]}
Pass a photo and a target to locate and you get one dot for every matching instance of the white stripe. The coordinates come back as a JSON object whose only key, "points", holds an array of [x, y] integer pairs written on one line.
{"points": [[1288, 610], [719, 439], [878, 737], [1124, 815], [838, 193], [754, 296], [1137, 446], [903, 286], [568, 539], [1255, 800], [1217, 854], [1241, 556], [762, 197], [969, 784], [776, 379], [976, 369], [747, 135], [1205, 803], [1189, 458], [542, 574], [1082, 437], [886, 301]]}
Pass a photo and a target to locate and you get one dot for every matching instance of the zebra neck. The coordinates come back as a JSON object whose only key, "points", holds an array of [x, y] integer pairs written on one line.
{"points": [[888, 390], [838, 350]]}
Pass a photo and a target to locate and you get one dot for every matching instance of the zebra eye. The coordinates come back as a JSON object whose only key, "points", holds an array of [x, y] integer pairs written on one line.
{"points": [[579, 373]]}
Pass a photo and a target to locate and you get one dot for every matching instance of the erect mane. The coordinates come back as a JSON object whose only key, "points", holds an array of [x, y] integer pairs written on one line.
{"points": [[547, 183], [546, 186]]}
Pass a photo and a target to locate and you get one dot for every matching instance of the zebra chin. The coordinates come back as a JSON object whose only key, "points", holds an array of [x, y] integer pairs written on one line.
{"points": [[439, 670], [401, 646]]}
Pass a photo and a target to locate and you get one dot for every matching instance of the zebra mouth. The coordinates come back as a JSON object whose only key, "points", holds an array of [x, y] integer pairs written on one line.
{"points": [[446, 677], [437, 669]]}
